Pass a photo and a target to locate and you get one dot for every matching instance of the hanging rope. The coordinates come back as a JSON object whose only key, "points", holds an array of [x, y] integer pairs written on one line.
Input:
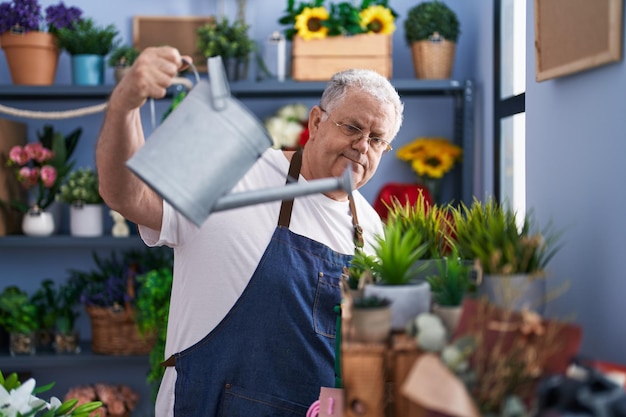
{"points": [[64, 114]]}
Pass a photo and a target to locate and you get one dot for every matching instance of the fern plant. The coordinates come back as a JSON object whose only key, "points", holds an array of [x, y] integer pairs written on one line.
{"points": [[84, 37]]}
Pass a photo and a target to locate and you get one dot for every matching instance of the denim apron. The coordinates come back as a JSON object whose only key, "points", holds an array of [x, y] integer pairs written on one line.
{"points": [[275, 348]]}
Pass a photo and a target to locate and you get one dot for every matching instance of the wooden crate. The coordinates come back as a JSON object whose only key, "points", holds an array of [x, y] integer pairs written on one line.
{"points": [[11, 134], [373, 374], [319, 59]]}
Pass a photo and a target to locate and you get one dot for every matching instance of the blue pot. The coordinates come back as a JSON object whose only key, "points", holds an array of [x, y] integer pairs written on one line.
{"points": [[87, 69]]}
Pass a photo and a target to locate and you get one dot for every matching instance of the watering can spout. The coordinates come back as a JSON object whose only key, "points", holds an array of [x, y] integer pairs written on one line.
{"points": [[205, 146]]}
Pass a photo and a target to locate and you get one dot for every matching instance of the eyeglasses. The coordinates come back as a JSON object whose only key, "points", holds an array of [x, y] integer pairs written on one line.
{"points": [[351, 131]]}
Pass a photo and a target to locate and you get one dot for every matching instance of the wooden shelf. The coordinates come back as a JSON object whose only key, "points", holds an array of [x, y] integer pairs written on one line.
{"points": [[66, 241]]}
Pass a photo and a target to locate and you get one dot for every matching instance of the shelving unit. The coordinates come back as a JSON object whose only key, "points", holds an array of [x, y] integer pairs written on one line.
{"points": [[14, 248]]}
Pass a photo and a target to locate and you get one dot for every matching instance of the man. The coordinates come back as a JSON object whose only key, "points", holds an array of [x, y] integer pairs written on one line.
{"points": [[252, 323]]}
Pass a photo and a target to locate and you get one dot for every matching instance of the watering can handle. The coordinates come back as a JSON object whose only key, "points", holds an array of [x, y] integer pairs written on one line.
{"points": [[220, 90]]}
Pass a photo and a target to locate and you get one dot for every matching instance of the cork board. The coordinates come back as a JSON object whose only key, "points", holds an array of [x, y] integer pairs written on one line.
{"points": [[575, 35], [177, 31]]}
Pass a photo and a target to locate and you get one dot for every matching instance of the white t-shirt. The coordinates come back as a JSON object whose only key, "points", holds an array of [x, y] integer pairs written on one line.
{"points": [[213, 263]]}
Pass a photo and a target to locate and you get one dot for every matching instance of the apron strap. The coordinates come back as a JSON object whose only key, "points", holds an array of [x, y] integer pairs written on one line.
{"points": [[284, 218]]}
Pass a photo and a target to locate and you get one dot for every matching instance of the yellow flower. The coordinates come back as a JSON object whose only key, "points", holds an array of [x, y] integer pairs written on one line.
{"points": [[309, 23], [378, 19], [431, 157]]}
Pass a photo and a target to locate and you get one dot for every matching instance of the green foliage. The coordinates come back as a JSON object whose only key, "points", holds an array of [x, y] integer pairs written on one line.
{"points": [[56, 306], [81, 187], [225, 40], [452, 281], [84, 37], [372, 301], [429, 17], [491, 233], [396, 254], [152, 303], [430, 221], [18, 314], [123, 56]]}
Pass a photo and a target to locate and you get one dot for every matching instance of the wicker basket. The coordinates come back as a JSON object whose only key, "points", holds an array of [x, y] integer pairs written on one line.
{"points": [[433, 60], [114, 330]]}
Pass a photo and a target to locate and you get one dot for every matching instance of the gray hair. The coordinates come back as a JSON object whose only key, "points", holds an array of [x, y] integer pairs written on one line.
{"points": [[367, 81]]}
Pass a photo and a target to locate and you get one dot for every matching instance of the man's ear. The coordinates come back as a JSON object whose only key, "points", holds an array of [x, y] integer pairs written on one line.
{"points": [[315, 118]]}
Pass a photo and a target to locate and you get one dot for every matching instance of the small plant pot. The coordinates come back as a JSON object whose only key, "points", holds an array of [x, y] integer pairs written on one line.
{"points": [[67, 343], [449, 315], [86, 220], [22, 343], [407, 301], [45, 338], [371, 324]]}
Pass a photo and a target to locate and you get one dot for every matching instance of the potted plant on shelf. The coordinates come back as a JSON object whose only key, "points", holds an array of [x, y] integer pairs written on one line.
{"points": [[44, 300], [80, 191], [18, 316], [29, 39], [121, 58], [512, 253], [337, 37], [230, 41], [393, 269], [41, 167], [432, 29], [88, 45]]}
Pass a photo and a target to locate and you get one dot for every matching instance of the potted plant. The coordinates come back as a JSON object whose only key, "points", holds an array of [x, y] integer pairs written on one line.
{"points": [[432, 29], [80, 191], [449, 286], [512, 253], [121, 58], [18, 316], [88, 44], [41, 167], [230, 41], [393, 268], [44, 300], [28, 38], [371, 319], [338, 36]]}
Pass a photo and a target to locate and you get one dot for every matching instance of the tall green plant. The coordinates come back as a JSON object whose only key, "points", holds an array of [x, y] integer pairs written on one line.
{"points": [[451, 282], [503, 243], [85, 37]]}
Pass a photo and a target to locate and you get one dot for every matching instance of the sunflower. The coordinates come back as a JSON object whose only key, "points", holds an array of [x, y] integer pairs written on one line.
{"points": [[309, 23], [430, 157], [378, 19]]}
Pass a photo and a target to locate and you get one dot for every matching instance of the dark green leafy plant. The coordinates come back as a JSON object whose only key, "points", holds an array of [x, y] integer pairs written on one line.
{"points": [[502, 243], [152, 303], [371, 301], [57, 305], [18, 314], [123, 56], [452, 281], [226, 40], [84, 37], [431, 17]]}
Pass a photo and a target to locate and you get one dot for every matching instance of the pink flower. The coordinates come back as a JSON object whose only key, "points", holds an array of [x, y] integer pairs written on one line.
{"points": [[18, 155], [28, 176], [37, 152], [48, 175]]}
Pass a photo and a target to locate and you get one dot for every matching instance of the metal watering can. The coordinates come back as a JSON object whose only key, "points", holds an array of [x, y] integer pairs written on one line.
{"points": [[205, 146]]}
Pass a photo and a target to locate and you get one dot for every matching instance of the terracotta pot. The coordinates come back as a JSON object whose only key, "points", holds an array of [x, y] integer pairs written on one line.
{"points": [[32, 57]]}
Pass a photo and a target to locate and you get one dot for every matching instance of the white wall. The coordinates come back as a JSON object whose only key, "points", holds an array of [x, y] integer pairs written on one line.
{"points": [[575, 127]]}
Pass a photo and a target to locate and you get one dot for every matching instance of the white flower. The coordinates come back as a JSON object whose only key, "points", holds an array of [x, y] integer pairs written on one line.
{"points": [[20, 400], [285, 133], [297, 112], [431, 334]]}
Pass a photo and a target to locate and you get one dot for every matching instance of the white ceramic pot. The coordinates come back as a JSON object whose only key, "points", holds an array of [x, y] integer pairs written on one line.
{"points": [[86, 220], [37, 223], [407, 301], [449, 315], [514, 292]]}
